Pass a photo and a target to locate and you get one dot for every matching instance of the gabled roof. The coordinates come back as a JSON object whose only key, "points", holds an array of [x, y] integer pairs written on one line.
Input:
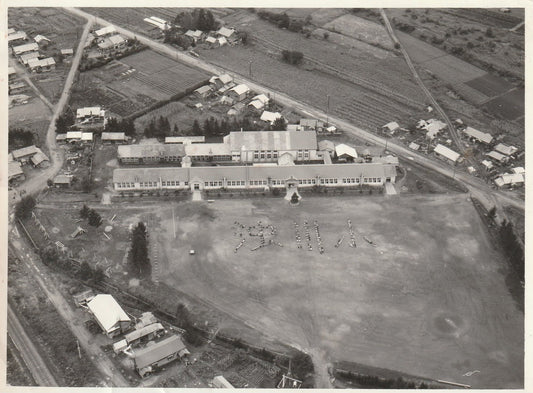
{"points": [[271, 140], [312, 123], [26, 57], [344, 149], [88, 111], [225, 78], [159, 150], [480, 136], [519, 170], [14, 169], [113, 136], [488, 164], [391, 126], [194, 34], [222, 41], [18, 50], [144, 331], [38, 158], [240, 89], [18, 35], [497, 156], [504, 149], [68, 51], [158, 351], [107, 311], [257, 104], [327, 145], [262, 98], [211, 40], [116, 39], [11, 70], [25, 151], [203, 89], [509, 178], [447, 152], [270, 116], [105, 30], [86, 136], [61, 137], [224, 31], [74, 134], [38, 38]]}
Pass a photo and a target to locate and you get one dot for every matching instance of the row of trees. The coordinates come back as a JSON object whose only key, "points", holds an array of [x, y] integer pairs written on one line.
{"points": [[91, 215], [24, 207], [65, 120], [283, 21], [198, 19], [51, 257], [512, 248], [174, 36], [159, 128], [126, 126], [138, 257], [19, 137]]}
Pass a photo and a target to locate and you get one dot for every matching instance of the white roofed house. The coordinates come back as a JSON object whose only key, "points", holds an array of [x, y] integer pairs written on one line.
{"points": [[111, 44], [74, 136], [504, 149], [391, 127], [139, 335], [149, 359], [40, 65], [86, 137], [19, 50], [500, 158], [259, 101], [270, 117], [220, 81], [113, 137], [15, 172], [24, 58], [487, 164], [196, 35], [222, 41], [239, 92], [41, 40], [90, 117], [433, 127], [105, 31], [229, 34], [478, 135], [109, 315], [203, 91], [447, 154], [345, 152], [23, 155], [67, 52], [39, 160], [509, 179], [16, 37]]}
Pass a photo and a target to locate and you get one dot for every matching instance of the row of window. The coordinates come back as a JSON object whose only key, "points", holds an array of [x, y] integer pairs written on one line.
{"points": [[351, 180], [211, 158], [258, 182], [235, 183], [328, 181], [262, 154], [307, 181], [174, 183], [213, 184], [372, 180]]}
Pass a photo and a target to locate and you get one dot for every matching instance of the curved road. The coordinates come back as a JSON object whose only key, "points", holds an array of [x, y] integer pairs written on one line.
{"points": [[477, 187], [30, 354]]}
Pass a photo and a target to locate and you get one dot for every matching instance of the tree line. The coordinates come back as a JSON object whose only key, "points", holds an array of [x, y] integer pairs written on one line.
{"points": [[19, 137], [139, 262], [198, 19]]}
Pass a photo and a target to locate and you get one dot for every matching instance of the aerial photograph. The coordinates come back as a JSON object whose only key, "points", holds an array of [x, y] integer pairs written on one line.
{"points": [[279, 198]]}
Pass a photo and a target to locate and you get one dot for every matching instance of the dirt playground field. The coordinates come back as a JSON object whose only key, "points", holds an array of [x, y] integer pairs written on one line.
{"points": [[428, 298]]}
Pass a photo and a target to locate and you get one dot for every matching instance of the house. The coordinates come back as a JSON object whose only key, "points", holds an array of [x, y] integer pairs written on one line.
{"points": [[150, 153], [509, 179], [239, 92], [195, 35], [519, 170], [498, 157], [149, 359], [41, 40], [61, 137], [39, 65], [487, 164], [446, 153], [19, 50], [28, 56], [11, 73], [143, 334], [414, 146], [331, 129], [211, 41], [478, 135], [259, 101], [23, 155], [62, 181], [252, 177], [504, 149], [203, 91], [186, 140], [345, 152], [89, 113], [86, 137], [104, 31], [220, 382], [158, 22], [328, 146], [14, 172], [67, 52], [222, 41], [74, 136], [109, 315], [16, 37], [228, 34], [311, 124], [113, 43], [220, 81], [391, 127], [432, 126], [270, 117], [39, 159], [10, 31], [267, 146], [113, 137]]}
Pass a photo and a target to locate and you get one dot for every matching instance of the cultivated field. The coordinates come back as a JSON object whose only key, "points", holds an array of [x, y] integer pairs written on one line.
{"points": [[428, 299], [135, 82], [361, 29]]}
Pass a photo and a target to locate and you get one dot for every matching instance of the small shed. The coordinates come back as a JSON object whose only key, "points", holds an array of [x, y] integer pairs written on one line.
{"points": [[113, 137], [391, 127]]}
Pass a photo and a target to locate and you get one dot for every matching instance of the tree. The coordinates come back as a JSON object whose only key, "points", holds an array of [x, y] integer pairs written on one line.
{"points": [[84, 212], [492, 213], [176, 130], [489, 33], [49, 255], [302, 365], [292, 57], [279, 124], [294, 198], [25, 207], [138, 257], [50, 183], [98, 275], [182, 316], [85, 271], [284, 21], [196, 130], [326, 35], [87, 184], [95, 219]]}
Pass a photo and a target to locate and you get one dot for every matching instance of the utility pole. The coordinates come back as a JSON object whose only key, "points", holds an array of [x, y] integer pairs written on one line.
{"points": [[250, 68], [327, 112], [79, 350]]}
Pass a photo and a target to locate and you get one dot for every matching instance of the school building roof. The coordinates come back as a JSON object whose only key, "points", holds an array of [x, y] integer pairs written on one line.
{"points": [[141, 151], [271, 140]]}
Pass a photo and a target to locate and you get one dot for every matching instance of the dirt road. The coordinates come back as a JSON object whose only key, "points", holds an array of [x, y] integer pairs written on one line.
{"points": [[470, 181], [29, 353], [38, 183]]}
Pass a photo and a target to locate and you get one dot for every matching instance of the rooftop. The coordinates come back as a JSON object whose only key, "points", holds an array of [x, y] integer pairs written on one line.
{"points": [[107, 311], [25, 151], [160, 350], [113, 136], [105, 30], [25, 48], [480, 136], [140, 151], [447, 152], [271, 140], [224, 31]]}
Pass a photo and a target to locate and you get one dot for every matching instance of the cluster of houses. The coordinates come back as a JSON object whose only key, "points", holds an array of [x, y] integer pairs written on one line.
{"points": [[27, 53], [143, 339], [259, 160], [213, 39], [20, 157], [88, 118], [107, 40]]}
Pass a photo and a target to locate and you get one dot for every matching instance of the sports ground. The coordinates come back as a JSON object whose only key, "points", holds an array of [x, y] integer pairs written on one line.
{"points": [[428, 297]]}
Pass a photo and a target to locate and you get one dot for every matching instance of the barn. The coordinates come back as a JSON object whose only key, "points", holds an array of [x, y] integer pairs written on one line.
{"points": [[109, 315]]}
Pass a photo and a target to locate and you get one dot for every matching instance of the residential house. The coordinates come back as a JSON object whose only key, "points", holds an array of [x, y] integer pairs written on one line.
{"points": [[328, 147], [143, 334], [113, 137], [259, 101], [501, 158], [41, 40], [86, 137], [487, 164], [478, 135], [111, 318], [229, 34], [150, 358], [195, 35], [24, 58], [504, 149], [509, 179], [39, 159], [105, 31], [446, 154], [21, 49], [14, 172], [158, 22], [345, 152], [23, 155], [62, 181], [270, 117], [239, 92], [40, 65], [16, 38], [222, 41], [74, 136], [203, 91], [112, 44], [519, 170], [61, 137], [11, 74], [67, 53], [391, 127], [211, 41]]}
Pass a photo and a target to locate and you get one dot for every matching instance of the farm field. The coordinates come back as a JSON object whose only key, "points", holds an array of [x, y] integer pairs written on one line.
{"points": [[362, 29], [135, 82], [433, 311], [509, 106], [490, 85], [33, 116]]}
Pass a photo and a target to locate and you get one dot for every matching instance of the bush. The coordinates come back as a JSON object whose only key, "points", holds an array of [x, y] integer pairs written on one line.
{"points": [[326, 35], [302, 365], [292, 57]]}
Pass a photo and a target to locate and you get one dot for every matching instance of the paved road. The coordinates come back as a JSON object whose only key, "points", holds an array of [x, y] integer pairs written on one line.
{"points": [[38, 183], [30, 354], [475, 185]]}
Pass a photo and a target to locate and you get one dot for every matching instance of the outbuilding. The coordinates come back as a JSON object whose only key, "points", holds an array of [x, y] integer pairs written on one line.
{"points": [[239, 92], [478, 135], [446, 153], [345, 152], [113, 137], [149, 359], [109, 315]]}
